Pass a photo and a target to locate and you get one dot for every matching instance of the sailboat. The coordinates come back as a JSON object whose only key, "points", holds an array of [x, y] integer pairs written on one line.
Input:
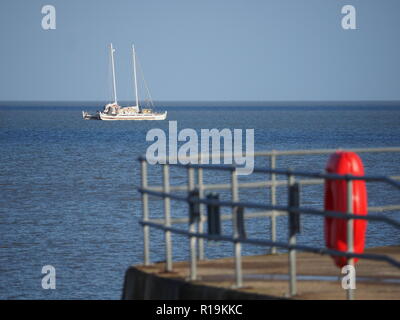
{"points": [[113, 111]]}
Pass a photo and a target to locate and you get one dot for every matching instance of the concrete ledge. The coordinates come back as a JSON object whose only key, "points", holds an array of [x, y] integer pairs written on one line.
{"points": [[140, 285], [264, 277]]}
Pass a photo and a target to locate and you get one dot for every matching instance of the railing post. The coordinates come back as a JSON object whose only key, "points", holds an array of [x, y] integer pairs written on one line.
{"points": [[167, 219], [145, 208], [237, 244], [192, 228], [201, 223], [273, 199], [292, 241], [350, 237]]}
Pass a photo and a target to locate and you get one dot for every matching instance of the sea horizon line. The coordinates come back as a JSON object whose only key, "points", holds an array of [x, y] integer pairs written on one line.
{"points": [[206, 103]]}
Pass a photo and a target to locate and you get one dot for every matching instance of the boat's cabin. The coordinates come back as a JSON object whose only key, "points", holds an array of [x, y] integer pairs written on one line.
{"points": [[114, 109], [111, 108], [129, 110]]}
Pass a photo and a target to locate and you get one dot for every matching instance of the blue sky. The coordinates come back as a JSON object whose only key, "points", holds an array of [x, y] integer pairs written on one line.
{"points": [[202, 50]]}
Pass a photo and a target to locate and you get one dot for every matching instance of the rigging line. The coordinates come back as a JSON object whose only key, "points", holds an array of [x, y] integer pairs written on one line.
{"points": [[146, 86], [145, 83]]}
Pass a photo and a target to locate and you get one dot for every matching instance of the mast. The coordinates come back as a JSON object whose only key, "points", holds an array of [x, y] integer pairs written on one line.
{"points": [[134, 75], [112, 50]]}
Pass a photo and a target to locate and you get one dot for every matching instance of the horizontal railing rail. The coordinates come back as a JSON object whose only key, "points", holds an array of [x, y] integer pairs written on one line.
{"points": [[320, 175], [368, 256], [255, 205], [289, 153]]}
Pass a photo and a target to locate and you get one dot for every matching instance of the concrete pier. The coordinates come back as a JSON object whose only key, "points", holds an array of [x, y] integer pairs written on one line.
{"points": [[265, 277]]}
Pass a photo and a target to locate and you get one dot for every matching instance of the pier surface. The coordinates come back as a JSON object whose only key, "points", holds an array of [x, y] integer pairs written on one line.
{"points": [[265, 277]]}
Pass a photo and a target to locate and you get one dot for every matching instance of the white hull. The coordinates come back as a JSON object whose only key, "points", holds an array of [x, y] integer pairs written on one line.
{"points": [[137, 116]]}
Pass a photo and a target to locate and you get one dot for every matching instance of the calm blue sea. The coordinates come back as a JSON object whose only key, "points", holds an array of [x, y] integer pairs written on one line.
{"points": [[68, 198]]}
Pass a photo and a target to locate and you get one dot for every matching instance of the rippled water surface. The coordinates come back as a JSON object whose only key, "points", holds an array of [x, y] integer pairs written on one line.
{"points": [[68, 199]]}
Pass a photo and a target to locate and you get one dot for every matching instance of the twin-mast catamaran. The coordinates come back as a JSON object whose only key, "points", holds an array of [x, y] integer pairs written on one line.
{"points": [[113, 111]]}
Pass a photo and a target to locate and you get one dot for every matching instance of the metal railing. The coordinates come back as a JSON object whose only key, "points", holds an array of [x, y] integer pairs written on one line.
{"points": [[196, 222]]}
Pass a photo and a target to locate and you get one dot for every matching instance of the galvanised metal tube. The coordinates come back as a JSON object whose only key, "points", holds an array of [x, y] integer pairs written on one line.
{"points": [[273, 200], [257, 184], [310, 211], [145, 208], [300, 152], [237, 244], [327, 151], [167, 220], [268, 243], [202, 217], [292, 251], [295, 173]]}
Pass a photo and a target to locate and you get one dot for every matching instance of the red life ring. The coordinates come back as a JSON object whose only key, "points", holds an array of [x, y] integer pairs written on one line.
{"points": [[343, 162]]}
